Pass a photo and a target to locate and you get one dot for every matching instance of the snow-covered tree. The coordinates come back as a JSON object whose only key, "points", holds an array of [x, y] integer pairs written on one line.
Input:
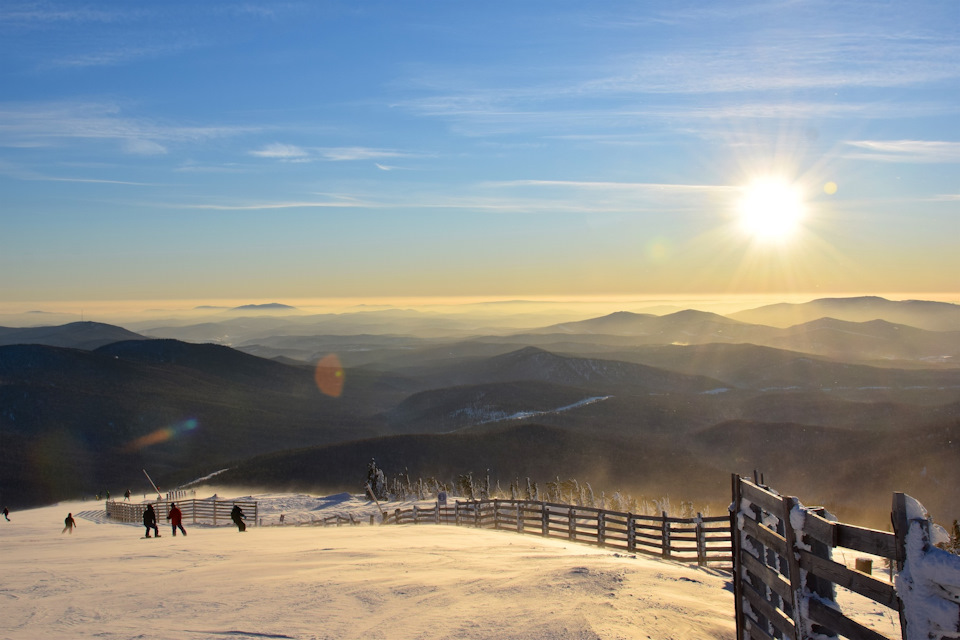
{"points": [[464, 486], [376, 486]]}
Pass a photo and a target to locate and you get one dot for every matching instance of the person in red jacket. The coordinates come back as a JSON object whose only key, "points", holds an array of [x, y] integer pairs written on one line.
{"points": [[176, 519]]}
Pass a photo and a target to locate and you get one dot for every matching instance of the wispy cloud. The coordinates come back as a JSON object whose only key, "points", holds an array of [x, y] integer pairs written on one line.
{"points": [[294, 153], [616, 186], [915, 151], [264, 206], [534, 197], [49, 124], [117, 56], [777, 75], [28, 13], [22, 173], [280, 151], [359, 153]]}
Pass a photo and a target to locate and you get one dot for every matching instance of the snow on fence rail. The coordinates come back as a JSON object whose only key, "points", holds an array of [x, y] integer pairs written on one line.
{"points": [[704, 540], [785, 578], [215, 512]]}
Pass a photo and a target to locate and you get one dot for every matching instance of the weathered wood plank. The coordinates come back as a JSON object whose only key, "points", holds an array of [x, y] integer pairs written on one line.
{"points": [[820, 529], [767, 610], [770, 577], [861, 583], [764, 535], [836, 621], [754, 630], [878, 543], [761, 497]]}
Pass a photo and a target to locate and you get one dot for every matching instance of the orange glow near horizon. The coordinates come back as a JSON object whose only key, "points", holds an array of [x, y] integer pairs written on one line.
{"points": [[131, 310]]}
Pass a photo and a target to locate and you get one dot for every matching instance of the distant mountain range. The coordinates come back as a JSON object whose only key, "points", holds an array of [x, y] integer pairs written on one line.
{"points": [[923, 314], [269, 307], [79, 335], [625, 401]]}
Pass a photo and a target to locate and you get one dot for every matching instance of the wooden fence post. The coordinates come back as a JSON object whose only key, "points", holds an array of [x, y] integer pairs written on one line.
{"points": [[735, 541], [496, 513], [396, 515], [821, 586], [544, 520], [601, 528], [901, 525], [519, 516], [631, 533], [665, 536], [701, 541], [572, 524], [793, 564]]}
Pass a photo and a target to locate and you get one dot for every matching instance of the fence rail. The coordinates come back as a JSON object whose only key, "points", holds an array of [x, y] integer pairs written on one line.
{"points": [[704, 540], [215, 512], [785, 578]]}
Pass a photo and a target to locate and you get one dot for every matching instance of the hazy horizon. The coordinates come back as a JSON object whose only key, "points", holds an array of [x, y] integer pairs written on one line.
{"points": [[62, 312]]}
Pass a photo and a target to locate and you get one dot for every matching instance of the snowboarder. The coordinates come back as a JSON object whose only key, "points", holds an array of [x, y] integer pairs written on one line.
{"points": [[237, 516], [126, 495], [150, 521], [176, 519], [6, 514], [69, 524]]}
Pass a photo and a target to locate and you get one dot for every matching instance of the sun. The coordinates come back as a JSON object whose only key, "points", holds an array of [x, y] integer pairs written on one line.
{"points": [[771, 210]]}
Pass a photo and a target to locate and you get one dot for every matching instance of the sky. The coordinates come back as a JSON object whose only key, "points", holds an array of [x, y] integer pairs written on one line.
{"points": [[364, 582], [280, 151]]}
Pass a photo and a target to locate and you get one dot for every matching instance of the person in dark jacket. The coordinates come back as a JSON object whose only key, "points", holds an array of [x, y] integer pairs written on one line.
{"points": [[150, 521], [237, 516], [176, 518], [69, 524]]}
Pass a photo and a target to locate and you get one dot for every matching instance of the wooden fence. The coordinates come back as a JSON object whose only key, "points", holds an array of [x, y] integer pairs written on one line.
{"points": [[785, 578], [211, 512], [704, 540]]}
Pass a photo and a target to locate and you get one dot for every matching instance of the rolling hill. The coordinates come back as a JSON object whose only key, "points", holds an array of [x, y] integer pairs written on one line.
{"points": [[74, 421], [75, 335], [923, 314], [624, 401]]}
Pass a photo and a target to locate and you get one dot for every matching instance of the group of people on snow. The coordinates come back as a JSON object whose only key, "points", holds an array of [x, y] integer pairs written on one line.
{"points": [[175, 516]]}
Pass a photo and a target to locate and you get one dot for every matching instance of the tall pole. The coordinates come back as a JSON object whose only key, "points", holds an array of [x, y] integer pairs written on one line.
{"points": [[151, 484]]}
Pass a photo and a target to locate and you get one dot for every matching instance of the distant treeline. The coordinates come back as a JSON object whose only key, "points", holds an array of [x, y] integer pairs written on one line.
{"points": [[401, 487]]}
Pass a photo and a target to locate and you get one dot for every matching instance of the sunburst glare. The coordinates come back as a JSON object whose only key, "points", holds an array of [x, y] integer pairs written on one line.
{"points": [[771, 209]]}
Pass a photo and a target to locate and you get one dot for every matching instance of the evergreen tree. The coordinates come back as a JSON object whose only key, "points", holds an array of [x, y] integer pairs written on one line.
{"points": [[376, 486]]}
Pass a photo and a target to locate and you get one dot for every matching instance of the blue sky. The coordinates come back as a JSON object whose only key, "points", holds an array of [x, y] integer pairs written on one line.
{"points": [[291, 150]]}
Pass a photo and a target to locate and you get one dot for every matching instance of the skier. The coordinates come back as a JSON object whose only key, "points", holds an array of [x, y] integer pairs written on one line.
{"points": [[150, 521], [6, 514], [237, 516], [176, 519], [69, 524], [126, 495]]}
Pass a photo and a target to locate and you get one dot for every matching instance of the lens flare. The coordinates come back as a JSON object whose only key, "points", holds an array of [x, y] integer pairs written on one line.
{"points": [[161, 435], [830, 188], [329, 376]]}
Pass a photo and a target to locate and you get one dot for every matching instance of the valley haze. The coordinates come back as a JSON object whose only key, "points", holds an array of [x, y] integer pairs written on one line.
{"points": [[840, 401]]}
